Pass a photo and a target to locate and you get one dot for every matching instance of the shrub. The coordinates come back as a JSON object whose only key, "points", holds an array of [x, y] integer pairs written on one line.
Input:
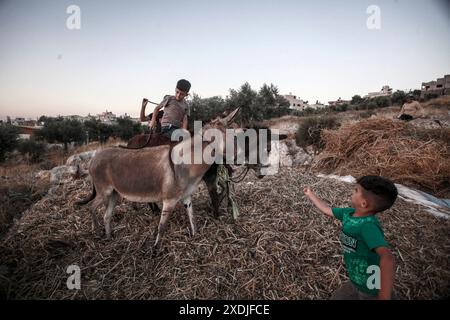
{"points": [[371, 105], [8, 139], [429, 96], [31, 149], [342, 108], [366, 114], [63, 131], [382, 102], [356, 99], [398, 97], [310, 129]]}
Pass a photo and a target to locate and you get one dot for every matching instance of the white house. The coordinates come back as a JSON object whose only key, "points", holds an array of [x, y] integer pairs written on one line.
{"points": [[386, 91], [294, 102]]}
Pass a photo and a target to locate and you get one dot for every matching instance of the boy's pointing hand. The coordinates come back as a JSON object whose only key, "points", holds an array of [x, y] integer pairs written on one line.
{"points": [[307, 191]]}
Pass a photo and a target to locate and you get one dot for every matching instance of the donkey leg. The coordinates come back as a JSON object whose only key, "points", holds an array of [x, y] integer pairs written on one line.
{"points": [[190, 211], [95, 224], [210, 181], [154, 207], [168, 206], [108, 213], [215, 199]]}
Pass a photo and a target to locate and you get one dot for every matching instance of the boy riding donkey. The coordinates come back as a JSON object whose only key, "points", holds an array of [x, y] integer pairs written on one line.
{"points": [[175, 111], [163, 123]]}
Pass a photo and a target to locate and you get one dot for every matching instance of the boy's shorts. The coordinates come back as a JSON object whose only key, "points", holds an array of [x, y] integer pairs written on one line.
{"points": [[348, 291], [167, 130]]}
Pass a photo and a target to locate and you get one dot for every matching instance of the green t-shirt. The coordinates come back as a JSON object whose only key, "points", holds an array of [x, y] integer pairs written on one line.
{"points": [[359, 237]]}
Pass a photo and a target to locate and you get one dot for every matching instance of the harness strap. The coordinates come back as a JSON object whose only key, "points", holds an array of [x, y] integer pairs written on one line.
{"points": [[138, 147], [241, 175]]}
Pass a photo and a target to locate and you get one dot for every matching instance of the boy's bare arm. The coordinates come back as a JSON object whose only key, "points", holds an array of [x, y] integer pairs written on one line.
{"points": [[154, 116], [143, 117], [320, 204], [387, 267], [185, 122]]}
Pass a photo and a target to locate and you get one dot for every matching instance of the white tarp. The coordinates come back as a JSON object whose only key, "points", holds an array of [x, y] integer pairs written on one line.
{"points": [[438, 207]]}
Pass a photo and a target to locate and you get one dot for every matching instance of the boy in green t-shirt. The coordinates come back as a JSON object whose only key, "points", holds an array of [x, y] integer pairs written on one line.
{"points": [[368, 260]]}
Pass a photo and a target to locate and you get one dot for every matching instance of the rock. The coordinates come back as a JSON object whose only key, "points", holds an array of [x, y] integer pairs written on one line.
{"points": [[81, 161], [62, 174], [286, 153], [54, 146], [46, 165], [81, 158], [291, 154], [42, 175]]}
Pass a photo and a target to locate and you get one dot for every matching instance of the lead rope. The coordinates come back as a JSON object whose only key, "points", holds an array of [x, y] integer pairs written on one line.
{"points": [[241, 175], [223, 178]]}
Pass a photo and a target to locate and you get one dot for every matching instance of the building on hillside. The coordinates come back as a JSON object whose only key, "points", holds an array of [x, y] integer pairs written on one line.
{"points": [[440, 87], [315, 106], [18, 121], [107, 117], [386, 91], [25, 132], [77, 118], [338, 102], [295, 103]]}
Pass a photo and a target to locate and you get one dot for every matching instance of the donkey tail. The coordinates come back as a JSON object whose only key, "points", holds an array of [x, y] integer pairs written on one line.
{"points": [[88, 199]]}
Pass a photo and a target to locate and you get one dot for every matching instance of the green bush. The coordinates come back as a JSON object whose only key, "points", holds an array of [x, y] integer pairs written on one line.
{"points": [[125, 129], [310, 130], [62, 131], [366, 114], [429, 96], [371, 105], [398, 97], [8, 139], [356, 99], [382, 102], [342, 108], [31, 149]]}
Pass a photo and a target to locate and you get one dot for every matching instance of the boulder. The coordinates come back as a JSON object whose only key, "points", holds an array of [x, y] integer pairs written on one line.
{"points": [[81, 158], [63, 174]]}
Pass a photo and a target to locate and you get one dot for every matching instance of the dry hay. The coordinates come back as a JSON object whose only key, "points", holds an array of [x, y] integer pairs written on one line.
{"points": [[18, 191], [279, 248], [407, 154]]}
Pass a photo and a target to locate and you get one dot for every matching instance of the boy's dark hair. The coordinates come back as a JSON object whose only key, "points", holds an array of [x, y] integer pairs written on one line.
{"points": [[382, 190], [184, 85]]}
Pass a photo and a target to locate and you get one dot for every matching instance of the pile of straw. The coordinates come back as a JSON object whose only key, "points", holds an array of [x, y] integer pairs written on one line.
{"points": [[406, 154], [280, 247]]}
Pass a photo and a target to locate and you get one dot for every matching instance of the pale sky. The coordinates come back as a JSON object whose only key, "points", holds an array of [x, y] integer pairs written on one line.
{"points": [[127, 50]]}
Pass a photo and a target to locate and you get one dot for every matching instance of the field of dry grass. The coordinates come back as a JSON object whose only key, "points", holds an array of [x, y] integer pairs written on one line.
{"points": [[279, 248], [400, 151], [19, 189]]}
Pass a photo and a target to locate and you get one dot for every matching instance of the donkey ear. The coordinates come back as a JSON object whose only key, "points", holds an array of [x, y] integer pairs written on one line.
{"points": [[229, 118]]}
